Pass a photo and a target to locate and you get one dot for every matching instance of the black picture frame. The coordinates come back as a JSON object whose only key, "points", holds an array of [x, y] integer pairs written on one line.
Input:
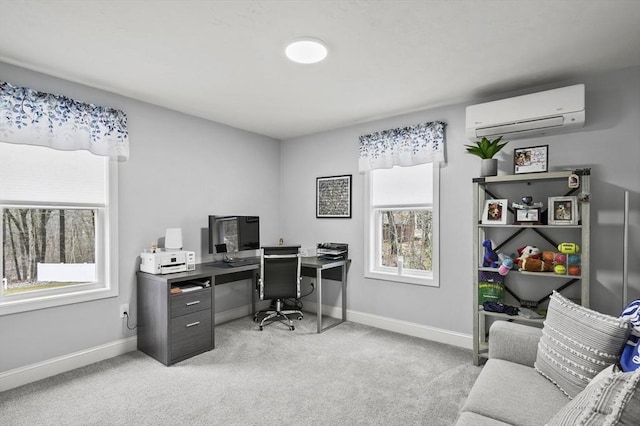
{"points": [[333, 197], [532, 159]]}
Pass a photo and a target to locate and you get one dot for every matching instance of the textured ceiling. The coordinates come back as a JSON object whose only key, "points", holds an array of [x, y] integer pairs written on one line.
{"points": [[224, 60]]}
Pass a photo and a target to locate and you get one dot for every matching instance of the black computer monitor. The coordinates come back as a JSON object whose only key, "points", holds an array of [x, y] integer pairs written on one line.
{"points": [[231, 234]]}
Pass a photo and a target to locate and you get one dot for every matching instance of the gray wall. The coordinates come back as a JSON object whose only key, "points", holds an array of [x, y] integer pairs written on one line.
{"points": [[609, 144], [181, 170]]}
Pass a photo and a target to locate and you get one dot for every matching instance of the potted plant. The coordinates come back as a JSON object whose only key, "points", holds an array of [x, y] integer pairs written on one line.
{"points": [[486, 149]]}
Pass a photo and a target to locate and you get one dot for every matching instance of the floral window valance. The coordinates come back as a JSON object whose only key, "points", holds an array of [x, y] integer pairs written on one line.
{"points": [[36, 118], [406, 146]]}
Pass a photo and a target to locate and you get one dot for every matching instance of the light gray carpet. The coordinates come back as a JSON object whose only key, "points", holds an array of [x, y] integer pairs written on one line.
{"points": [[349, 375]]}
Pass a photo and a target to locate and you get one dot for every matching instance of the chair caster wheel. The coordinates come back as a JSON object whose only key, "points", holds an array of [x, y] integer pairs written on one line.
{"points": [[261, 328], [292, 328], [299, 318]]}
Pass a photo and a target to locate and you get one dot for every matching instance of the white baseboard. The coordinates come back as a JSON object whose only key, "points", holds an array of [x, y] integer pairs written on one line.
{"points": [[21, 376], [403, 327]]}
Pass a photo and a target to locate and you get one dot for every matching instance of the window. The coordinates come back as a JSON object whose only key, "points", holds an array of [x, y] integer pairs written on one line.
{"points": [[58, 239], [402, 224]]}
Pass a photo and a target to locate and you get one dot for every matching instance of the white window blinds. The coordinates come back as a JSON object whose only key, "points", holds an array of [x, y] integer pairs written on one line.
{"points": [[34, 174], [402, 186]]}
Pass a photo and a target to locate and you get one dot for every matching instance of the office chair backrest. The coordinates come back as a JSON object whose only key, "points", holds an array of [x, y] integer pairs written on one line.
{"points": [[280, 272]]}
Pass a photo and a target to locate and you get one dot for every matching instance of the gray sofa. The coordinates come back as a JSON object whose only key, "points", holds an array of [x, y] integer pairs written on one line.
{"points": [[509, 391], [576, 378]]}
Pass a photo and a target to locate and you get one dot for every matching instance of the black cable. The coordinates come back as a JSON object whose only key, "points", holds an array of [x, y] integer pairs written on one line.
{"points": [[126, 314], [297, 303]]}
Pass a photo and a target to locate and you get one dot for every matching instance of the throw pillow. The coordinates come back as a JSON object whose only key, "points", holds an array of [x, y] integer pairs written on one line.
{"points": [[611, 398], [577, 343]]}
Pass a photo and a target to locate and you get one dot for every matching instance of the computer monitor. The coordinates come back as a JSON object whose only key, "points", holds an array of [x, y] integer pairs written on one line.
{"points": [[231, 234]]}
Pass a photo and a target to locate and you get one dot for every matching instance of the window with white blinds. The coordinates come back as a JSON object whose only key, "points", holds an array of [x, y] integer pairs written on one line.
{"points": [[59, 232], [402, 224]]}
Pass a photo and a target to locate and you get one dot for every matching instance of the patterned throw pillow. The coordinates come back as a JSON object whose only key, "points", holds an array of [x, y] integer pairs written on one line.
{"points": [[577, 343], [611, 398]]}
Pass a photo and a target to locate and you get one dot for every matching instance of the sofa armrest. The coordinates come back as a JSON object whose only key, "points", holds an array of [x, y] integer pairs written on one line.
{"points": [[514, 342]]}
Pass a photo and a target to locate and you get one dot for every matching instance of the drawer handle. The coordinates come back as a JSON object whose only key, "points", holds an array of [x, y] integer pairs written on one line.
{"points": [[193, 323], [195, 302]]}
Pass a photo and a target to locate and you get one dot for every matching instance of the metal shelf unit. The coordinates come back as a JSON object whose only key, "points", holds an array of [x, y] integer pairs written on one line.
{"points": [[548, 184]]}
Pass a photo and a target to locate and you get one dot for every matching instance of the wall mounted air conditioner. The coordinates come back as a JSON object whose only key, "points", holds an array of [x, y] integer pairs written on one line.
{"points": [[537, 114]]}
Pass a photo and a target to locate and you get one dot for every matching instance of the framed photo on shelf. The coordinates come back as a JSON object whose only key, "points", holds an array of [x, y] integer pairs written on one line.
{"points": [[563, 211], [534, 159], [528, 216], [333, 197], [495, 212]]}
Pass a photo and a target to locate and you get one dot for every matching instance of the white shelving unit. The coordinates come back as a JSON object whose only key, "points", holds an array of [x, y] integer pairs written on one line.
{"points": [[508, 236]]}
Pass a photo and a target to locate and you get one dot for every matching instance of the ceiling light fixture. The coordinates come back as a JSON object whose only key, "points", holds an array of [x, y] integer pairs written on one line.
{"points": [[306, 51]]}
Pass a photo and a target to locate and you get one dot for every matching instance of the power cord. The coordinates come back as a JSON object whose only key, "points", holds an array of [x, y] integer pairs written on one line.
{"points": [[297, 303], [126, 314]]}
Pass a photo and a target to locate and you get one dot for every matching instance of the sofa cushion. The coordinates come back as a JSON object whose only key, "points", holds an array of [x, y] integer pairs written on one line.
{"points": [[515, 394], [577, 343], [611, 398]]}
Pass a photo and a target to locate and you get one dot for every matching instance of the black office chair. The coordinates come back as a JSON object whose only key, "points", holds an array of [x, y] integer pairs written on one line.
{"points": [[279, 279]]}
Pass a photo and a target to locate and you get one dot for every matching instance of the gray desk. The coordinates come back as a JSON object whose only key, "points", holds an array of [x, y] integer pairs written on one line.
{"points": [[321, 265], [311, 267]]}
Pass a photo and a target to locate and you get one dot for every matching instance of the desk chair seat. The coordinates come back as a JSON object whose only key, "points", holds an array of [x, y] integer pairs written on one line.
{"points": [[280, 268]]}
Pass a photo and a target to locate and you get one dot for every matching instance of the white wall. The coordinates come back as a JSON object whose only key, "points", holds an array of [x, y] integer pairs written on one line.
{"points": [[609, 144], [181, 170]]}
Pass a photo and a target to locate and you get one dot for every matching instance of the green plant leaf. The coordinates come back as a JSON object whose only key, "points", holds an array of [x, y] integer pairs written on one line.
{"points": [[485, 148]]}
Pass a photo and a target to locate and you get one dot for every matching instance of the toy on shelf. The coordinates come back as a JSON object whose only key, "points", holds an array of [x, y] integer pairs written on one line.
{"points": [[566, 262], [571, 251], [531, 264], [530, 260], [568, 248], [505, 266], [490, 259], [573, 260]]}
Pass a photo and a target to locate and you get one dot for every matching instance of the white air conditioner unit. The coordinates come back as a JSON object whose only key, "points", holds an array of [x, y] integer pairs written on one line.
{"points": [[536, 114]]}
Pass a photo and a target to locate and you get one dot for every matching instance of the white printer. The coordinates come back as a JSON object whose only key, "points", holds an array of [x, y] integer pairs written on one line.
{"points": [[168, 262]]}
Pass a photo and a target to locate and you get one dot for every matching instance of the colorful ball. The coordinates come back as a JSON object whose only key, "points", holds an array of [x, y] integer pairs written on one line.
{"points": [[560, 258], [574, 270], [574, 259], [560, 269]]}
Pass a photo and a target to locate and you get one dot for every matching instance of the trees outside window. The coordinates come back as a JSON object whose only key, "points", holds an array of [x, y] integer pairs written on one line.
{"points": [[33, 236], [409, 234]]}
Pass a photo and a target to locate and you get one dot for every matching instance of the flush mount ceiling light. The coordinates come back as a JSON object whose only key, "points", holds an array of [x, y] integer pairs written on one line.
{"points": [[306, 51]]}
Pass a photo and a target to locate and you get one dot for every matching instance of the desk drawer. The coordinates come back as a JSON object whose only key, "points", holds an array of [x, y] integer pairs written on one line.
{"points": [[186, 303], [191, 333]]}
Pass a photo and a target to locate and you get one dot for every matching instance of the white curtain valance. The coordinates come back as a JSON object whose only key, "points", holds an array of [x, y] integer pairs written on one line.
{"points": [[36, 118], [406, 146]]}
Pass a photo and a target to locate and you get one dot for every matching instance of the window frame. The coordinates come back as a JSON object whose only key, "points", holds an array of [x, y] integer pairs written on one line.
{"points": [[373, 237], [106, 256]]}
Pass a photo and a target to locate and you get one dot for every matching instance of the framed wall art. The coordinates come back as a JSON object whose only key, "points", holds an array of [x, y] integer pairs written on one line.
{"points": [[333, 197], [534, 159], [563, 211], [495, 212]]}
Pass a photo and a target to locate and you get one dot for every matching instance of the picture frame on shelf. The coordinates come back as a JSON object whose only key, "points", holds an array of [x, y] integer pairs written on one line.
{"points": [[495, 212], [528, 216], [563, 211], [533, 159], [333, 196]]}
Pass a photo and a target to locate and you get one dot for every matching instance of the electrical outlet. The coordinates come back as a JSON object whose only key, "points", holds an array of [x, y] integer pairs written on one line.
{"points": [[124, 309]]}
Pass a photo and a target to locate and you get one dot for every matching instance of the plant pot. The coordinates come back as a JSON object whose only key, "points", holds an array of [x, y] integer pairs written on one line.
{"points": [[489, 167]]}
